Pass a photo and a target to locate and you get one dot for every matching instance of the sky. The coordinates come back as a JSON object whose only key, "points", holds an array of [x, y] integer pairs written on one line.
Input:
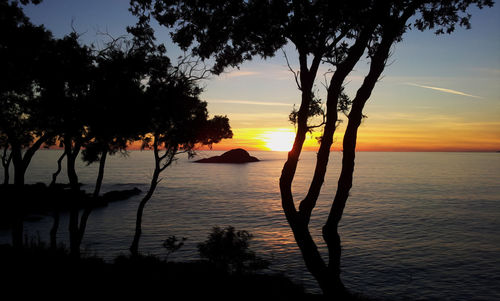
{"points": [[438, 93]]}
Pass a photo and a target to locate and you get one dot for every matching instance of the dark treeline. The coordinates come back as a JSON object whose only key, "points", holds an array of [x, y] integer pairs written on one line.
{"points": [[94, 103]]}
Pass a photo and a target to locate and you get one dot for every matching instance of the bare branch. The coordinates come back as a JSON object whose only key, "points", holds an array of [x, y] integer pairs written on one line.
{"points": [[194, 69], [295, 73]]}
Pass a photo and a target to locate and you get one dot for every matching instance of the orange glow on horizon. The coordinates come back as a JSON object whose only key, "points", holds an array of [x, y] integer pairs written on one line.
{"points": [[370, 138]]}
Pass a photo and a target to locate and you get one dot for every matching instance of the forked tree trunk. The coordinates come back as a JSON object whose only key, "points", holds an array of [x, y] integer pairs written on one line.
{"points": [[160, 165], [21, 163], [330, 230], [327, 278]]}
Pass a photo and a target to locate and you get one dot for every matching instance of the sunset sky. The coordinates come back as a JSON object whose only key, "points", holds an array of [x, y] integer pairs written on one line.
{"points": [[440, 93]]}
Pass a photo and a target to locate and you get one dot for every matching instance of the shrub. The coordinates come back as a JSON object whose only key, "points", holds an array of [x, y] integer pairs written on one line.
{"points": [[228, 250]]}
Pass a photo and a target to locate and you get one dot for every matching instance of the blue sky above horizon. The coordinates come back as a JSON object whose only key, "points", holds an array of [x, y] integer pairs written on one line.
{"points": [[438, 93]]}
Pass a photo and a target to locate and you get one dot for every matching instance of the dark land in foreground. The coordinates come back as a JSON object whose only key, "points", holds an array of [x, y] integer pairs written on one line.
{"points": [[37, 271]]}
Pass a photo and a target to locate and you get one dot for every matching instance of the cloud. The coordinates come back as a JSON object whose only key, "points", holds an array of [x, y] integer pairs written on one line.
{"points": [[445, 90], [249, 102], [239, 73]]}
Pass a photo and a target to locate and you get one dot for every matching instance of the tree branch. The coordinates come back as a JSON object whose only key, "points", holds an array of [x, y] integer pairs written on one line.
{"points": [[295, 73]]}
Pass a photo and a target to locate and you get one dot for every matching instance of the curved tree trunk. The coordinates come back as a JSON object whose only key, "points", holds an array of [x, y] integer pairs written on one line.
{"points": [[330, 230], [328, 279], [134, 248], [88, 208], [58, 171]]}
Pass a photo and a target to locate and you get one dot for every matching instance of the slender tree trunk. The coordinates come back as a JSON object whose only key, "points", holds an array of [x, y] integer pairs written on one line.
{"points": [[71, 155], [88, 208], [100, 175], [134, 248], [58, 171], [56, 213], [6, 165], [328, 281], [330, 230]]}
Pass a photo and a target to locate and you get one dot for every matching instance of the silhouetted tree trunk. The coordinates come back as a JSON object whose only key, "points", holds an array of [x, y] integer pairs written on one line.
{"points": [[134, 248], [100, 174], [169, 156], [21, 163], [58, 171], [71, 155], [88, 208], [330, 230], [56, 213], [327, 276], [6, 159]]}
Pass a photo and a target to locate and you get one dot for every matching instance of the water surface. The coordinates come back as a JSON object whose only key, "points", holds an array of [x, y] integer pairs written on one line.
{"points": [[417, 225]]}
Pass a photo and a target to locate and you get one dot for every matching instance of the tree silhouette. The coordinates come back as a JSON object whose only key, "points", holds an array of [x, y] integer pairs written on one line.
{"points": [[337, 33], [22, 47], [176, 122], [22, 44], [112, 122], [65, 92]]}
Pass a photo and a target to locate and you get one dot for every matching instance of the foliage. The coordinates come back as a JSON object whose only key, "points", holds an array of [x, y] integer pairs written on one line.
{"points": [[173, 244], [229, 251]]}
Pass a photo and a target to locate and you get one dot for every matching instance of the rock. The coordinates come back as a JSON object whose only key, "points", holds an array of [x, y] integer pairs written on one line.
{"points": [[119, 195], [238, 155]]}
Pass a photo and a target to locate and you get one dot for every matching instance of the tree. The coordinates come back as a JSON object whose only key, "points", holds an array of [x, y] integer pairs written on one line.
{"points": [[111, 122], [22, 48], [65, 92], [337, 33], [22, 45], [176, 122]]}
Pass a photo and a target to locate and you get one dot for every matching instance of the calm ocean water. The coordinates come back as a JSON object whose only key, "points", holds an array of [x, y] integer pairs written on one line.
{"points": [[419, 226]]}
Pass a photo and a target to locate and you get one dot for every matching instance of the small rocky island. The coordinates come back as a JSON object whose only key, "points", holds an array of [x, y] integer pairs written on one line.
{"points": [[237, 155]]}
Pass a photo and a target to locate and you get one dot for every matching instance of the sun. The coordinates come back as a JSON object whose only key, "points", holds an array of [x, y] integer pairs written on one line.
{"points": [[279, 140]]}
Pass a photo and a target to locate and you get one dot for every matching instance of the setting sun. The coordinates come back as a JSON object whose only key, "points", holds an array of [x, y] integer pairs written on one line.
{"points": [[281, 140]]}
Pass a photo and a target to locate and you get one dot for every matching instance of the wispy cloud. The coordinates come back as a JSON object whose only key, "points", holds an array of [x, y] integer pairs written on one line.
{"points": [[249, 102], [239, 73], [445, 90]]}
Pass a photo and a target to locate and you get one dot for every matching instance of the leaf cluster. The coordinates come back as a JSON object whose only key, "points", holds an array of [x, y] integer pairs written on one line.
{"points": [[229, 251]]}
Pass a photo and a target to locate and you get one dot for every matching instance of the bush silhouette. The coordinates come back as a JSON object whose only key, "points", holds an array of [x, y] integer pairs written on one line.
{"points": [[173, 244], [228, 250]]}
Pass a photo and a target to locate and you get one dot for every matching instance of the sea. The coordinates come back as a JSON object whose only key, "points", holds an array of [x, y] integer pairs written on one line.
{"points": [[417, 226]]}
